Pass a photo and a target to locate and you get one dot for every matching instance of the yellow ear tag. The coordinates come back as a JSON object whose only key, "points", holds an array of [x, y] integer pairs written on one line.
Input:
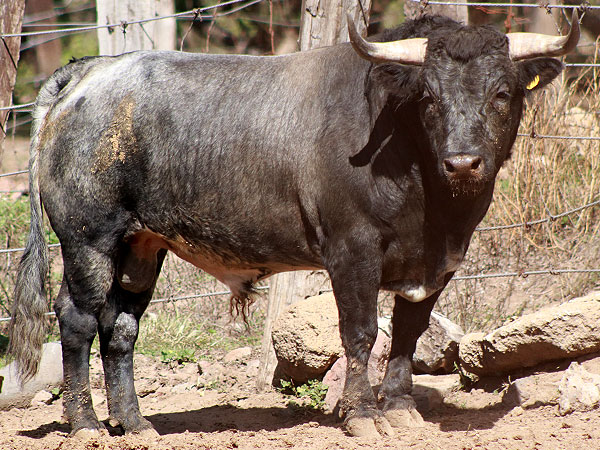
{"points": [[534, 82]]}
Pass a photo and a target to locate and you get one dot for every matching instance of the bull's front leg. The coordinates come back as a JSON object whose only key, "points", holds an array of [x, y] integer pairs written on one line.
{"points": [[409, 321], [355, 273]]}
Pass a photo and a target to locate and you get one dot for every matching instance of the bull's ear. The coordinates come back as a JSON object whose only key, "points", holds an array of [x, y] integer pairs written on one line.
{"points": [[536, 73], [401, 80]]}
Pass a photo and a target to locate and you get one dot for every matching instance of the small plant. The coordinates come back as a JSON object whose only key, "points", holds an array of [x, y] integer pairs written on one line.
{"points": [[467, 380], [180, 356], [56, 393], [312, 393], [3, 348]]}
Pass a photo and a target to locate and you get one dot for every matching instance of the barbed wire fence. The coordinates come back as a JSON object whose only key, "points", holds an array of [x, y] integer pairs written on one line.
{"points": [[200, 14]]}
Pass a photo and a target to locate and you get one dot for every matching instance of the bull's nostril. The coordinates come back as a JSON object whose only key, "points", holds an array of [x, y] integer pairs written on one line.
{"points": [[463, 166]]}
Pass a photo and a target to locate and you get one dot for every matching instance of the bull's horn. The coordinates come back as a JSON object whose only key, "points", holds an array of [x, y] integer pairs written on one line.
{"points": [[406, 51], [534, 45]]}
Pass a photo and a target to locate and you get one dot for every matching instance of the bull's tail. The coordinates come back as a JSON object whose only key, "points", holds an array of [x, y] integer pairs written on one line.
{"points": [[28, 325]]}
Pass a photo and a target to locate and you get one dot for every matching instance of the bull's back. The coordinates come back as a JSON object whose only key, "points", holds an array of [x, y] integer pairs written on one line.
{"points": [[209, 148]]}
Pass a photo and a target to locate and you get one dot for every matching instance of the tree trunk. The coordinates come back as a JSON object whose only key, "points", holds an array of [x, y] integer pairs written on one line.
{"points": [[323, 23], [47, 52], [11, 20], [158, 34]]}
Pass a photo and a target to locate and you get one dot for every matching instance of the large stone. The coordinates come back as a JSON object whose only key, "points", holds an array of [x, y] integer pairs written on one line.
{"points": [[429, 391], [306, 338], [533, 391], [437, 348], [564, 331], [336, 376], [579, 390], [50, 375]]}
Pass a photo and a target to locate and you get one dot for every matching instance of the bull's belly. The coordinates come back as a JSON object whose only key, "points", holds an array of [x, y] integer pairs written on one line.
{"points": [[238, 273]]}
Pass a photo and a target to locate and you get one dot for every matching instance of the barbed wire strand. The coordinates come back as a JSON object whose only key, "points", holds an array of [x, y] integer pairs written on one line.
{"points": [[13, 107], [504, 5], [549, 219], [170, 299], [521, 274], [22, 249], [124, 24], [10, 174]]}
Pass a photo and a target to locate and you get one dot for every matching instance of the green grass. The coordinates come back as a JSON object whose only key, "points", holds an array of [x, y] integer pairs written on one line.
{"points": [[310, 395], [14, 228], [3, 348], [181, 334]]}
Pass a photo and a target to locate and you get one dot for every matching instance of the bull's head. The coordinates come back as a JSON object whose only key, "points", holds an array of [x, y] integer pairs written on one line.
{"points": [[469, 84]]}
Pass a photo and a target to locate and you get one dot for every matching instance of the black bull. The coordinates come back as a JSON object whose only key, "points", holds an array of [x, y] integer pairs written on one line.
{"points": [[369, 160]]}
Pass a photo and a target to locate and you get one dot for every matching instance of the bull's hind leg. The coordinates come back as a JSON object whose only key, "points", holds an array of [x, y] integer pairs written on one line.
{"points": [[409, 321], [118, 331], [88, 274]]}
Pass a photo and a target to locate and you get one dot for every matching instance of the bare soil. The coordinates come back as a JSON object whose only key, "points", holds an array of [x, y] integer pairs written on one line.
{"points": [[220, 408]]}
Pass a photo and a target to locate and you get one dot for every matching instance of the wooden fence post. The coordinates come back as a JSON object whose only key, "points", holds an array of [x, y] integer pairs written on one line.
{"points": [[11, 21], [158, 35], [323, 23]]}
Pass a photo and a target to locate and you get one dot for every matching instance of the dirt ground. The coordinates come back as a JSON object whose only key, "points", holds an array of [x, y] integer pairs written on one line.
{"points": [[218, 407]]}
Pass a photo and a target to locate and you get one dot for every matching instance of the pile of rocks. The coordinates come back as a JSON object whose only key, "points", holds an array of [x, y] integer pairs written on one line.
{"points": [[548, 355]]}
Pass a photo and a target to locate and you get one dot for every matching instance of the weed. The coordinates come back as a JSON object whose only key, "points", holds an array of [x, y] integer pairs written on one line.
{"points": [[312, 394], [3, 348], [467, 380], [184, 355], [180, 332]]}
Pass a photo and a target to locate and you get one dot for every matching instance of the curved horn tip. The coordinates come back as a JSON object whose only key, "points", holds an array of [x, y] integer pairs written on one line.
{"points": [[352, 32], [572, 38]]}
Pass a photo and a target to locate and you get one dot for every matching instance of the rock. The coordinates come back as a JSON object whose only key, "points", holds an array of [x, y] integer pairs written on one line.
{"points": [[429, 391], [533, 391], [237, 354], [579, 390], [306, 338], [42, 398], [437, 348], [98, 398], [558, 332], [335, 378], [49, 376], [252, 368]]}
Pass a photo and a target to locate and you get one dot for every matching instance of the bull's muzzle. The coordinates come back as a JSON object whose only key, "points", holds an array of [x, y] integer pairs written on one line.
{"points": [[463, 167]]}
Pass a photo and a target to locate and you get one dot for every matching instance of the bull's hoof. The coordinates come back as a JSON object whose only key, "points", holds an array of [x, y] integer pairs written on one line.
{"points": [[134, 425], [403, 413], [87, 434], [369, 427], [147, 433]]}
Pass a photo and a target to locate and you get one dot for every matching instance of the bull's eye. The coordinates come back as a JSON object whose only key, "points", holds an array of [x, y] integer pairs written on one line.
{"points": [[429, 101], [502, 95], [501, 100]]}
